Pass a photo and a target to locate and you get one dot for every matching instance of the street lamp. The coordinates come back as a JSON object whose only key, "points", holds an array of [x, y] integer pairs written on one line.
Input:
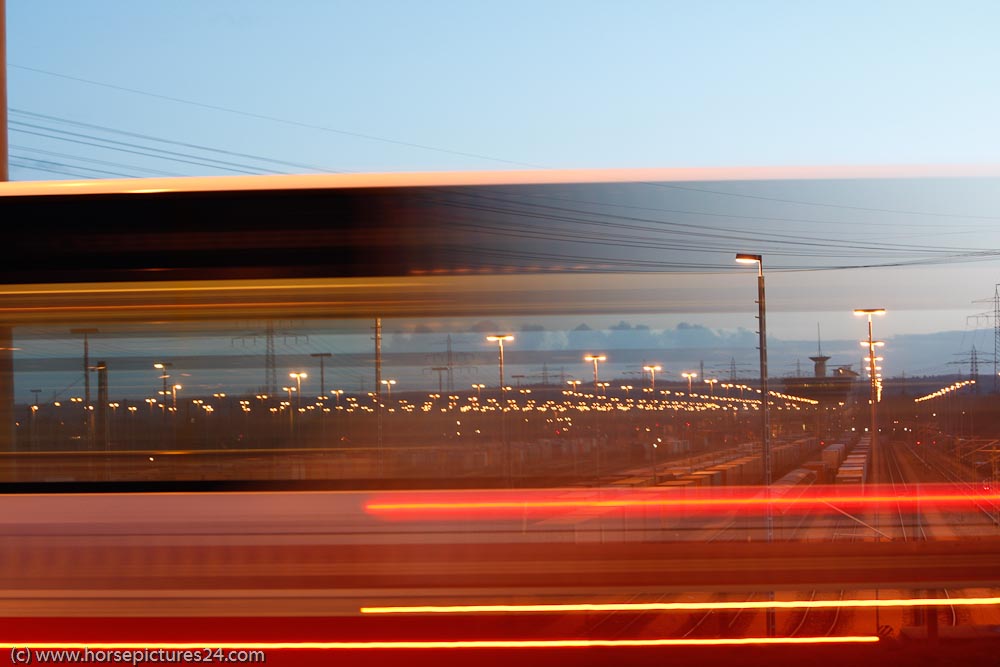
{"points": [[86, 376], [499, 339], [655, 462], [690, 375], [574, 383], [175, 389], [479, 386], [162, 366], [595, 358], [765, 425], [711, 385], [508, 463], [298, 376], [388, 385], [873, 371], [322, 356], [291, 412], [652, 375]]}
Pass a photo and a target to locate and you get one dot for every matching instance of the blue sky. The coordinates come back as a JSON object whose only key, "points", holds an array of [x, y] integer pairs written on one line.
{"points": [[554, 84], [402, 86]]}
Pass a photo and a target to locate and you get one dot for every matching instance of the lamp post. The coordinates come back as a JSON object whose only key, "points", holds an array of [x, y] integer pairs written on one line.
{"points": [[596, 359], [34, 411], [574, 383], [652, 374], [499, 339], [174, 390], [388, 386], [655, 462], [298, 376], [322, 356], [765, 423], [86, 332], [162, 366], [711, 385], [690, 375], [291, 412], [479, 386], [874, 397]]}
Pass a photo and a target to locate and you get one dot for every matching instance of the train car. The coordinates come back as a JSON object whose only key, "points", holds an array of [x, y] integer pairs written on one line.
{"points": [[822, 471], [797, 477], [850, 476], [789, 487], [677, 483], [833, 455], [632, 481]]}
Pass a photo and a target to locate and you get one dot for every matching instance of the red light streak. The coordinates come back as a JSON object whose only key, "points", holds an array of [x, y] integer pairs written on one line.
{"points": [[498, 504], [684, 606]]}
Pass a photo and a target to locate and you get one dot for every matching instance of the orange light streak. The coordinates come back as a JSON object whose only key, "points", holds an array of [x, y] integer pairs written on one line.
{"points": [[161, 306], [438, 505], [506, 177], [445, 644], [685, 606], [581, 504]]}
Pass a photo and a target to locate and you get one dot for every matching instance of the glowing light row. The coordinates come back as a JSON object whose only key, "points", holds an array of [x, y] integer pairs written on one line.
{"points": [[945, 390], [789, 397], [511, 405], [685, 606]]}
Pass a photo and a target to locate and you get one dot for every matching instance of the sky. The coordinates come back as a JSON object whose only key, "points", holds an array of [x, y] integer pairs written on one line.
{"points": [[553, 84], [113, 88]]}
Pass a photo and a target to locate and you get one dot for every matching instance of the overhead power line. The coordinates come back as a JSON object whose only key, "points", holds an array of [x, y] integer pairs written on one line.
{"points": [[273, 119], [81, 158], [173, 142], [127, 147], [51, 167]]}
